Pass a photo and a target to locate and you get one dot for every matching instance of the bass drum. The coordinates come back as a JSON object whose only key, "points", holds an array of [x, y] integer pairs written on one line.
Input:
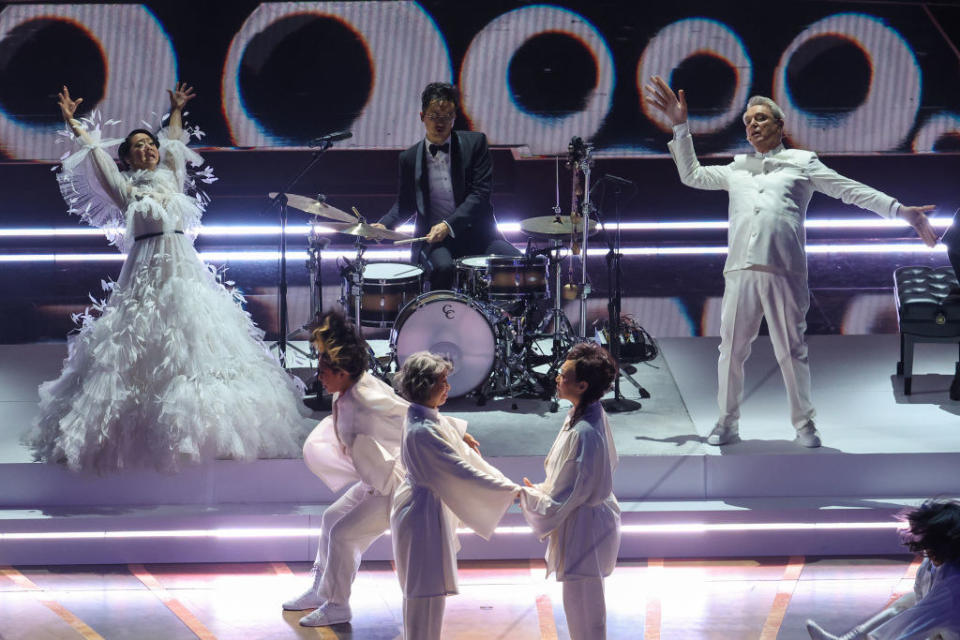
{"points": [[454, 326]]}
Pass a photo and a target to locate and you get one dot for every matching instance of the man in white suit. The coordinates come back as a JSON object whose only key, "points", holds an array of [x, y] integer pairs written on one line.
{"points": [[766, 269]]}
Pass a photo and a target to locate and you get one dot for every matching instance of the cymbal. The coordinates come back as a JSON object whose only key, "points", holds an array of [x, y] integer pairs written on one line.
{"points": [[365, 231], [316, 208], [548, 227]]}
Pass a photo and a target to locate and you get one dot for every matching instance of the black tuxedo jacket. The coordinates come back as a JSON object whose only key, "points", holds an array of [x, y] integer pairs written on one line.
{"points": [[471, 171]]}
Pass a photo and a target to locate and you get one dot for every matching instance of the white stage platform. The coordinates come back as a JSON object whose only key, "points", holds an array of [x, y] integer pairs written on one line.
{"points": [[764, 495]]}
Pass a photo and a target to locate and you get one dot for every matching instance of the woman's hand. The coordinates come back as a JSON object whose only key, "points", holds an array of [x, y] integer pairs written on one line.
{"points": [[68, 106], [180, 96], [527, 483], [471, 442]]}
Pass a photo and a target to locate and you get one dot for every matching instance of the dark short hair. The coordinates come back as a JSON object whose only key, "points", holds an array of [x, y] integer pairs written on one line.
{"points": [[934, 529], [340, 346], [124, 150], [593, 365], [439, 92]]}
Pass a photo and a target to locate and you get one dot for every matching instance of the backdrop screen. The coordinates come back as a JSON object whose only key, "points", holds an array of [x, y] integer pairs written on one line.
{"points": [[851, 77]]}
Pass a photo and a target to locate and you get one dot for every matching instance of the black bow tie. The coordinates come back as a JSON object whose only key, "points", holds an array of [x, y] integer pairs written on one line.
{"points": [[445, 147]]}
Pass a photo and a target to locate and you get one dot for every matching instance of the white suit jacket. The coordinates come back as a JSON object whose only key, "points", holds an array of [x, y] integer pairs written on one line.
{"points": [[769, 194]]}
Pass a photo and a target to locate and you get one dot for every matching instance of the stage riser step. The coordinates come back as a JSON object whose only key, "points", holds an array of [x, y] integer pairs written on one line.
{"points": [[41, 486]]}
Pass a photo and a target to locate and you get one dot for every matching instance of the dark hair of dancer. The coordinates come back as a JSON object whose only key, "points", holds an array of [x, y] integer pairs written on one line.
{"points": [[124, 149], [934, 530], [593, 365], [419, 375], [439, 92], [339, 344]]}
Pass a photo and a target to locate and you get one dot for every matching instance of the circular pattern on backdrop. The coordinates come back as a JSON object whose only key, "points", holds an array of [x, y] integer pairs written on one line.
{"points": [[551, 75], [392, 35], [138, 57], [884, 118], [686, 40], [489, 102]]}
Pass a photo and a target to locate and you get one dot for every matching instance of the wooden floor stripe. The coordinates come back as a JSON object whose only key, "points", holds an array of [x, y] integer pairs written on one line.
{"points": [[281, 568], [788, 584], [548, 626], [653, 617], [78, 625], [186, 617]]}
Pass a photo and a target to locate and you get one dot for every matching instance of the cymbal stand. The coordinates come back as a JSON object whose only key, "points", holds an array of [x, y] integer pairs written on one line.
{"points": [[585, 165], [280, 200]]}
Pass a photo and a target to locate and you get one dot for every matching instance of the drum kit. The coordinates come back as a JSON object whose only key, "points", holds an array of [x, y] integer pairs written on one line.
{"points": [[502, 326]]}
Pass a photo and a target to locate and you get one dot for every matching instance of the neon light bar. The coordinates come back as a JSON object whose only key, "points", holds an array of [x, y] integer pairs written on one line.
{"points": [[241, 230], [293, 532], [403, 254]]}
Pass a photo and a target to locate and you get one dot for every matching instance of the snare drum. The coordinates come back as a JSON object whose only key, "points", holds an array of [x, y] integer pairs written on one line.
{"points": [[452, 325], [499, 278], [386, 287]]}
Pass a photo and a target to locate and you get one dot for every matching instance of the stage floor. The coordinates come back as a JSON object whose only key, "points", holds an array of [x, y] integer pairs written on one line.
{"points": [[860, 403]]}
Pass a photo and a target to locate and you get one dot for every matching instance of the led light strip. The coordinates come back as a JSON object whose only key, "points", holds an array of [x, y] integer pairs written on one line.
{"points": [[223, 230], [294, 532], [404, 254]]}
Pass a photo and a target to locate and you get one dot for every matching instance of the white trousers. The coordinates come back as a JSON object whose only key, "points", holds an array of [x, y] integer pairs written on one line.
{"points": [[750, 295], [585, 608], [423, 617], [348, 527]]}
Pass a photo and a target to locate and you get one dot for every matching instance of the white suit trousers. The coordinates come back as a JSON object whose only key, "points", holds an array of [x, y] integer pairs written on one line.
{"points": [[348, 527], [423, 617], [748, 296], [585, 608]]}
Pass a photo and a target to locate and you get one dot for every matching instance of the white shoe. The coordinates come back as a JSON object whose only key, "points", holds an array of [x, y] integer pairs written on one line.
{"points": [[328, 614], [817, 633], [808, 436], [309, 599], [723, 434]]}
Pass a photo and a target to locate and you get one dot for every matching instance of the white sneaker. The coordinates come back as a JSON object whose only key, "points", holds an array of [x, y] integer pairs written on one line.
{"points": [[328, 614], [808, 436], [309, 599], [723, 434], [817, 633]]}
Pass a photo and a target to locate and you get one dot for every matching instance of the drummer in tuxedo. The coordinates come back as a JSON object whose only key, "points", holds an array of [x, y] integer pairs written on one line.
{"points": [[445, 184]]}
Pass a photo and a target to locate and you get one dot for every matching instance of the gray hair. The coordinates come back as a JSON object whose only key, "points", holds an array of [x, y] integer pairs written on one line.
{"points": [[768, 103], [419, 375]]}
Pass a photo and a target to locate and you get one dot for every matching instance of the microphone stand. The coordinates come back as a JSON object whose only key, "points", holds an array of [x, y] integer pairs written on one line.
{"points": [[281, 200], [618, 403]]}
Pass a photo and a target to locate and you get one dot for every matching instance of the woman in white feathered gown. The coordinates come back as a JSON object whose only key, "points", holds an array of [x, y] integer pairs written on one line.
{"points": [[172, 371]]}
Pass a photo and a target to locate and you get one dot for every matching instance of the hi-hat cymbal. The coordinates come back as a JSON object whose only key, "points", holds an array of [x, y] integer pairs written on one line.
{"points": [[317, 208], [550, 227], [365, 231]]}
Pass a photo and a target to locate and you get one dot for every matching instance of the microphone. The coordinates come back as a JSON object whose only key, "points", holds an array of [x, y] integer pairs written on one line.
{"points": [[617, 179], [336, 136]]}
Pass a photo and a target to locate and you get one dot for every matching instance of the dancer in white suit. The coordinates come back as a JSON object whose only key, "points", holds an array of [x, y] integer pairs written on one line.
{"points": [[358, 445], [766, 269], [575, 507], [447, 483], [932, 611]]}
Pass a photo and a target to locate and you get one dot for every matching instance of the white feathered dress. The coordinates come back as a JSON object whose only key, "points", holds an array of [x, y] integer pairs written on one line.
{"points": [[172, 371]]}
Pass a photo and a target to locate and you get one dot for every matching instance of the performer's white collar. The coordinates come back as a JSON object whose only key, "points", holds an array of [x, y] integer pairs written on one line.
{"points": [[429, 413], [427, 142], [777, 149]]}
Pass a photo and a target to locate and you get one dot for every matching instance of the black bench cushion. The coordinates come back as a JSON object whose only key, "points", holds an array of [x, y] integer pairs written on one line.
{"points": [[928, 300]]}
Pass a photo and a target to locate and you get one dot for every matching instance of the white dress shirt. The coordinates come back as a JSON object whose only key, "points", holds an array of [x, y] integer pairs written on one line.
{"points": [[769, 194], [442, 202]]}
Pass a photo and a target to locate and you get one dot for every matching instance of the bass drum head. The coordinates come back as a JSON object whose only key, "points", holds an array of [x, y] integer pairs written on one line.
{"points": [[451, 325]]}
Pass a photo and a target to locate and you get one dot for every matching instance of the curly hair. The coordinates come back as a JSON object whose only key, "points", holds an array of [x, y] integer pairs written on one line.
{"points": [[593, 365], [339, 345], [419, 375], [124, 149], [934, 529], [439, 92]]}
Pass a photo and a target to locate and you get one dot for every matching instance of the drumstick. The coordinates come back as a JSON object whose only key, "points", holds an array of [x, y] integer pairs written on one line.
{"points": [[409, 240]]}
